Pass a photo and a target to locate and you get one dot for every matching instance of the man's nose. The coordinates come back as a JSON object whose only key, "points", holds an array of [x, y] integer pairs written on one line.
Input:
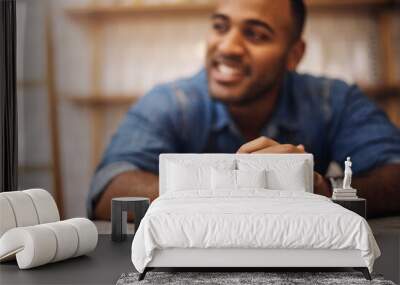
{"points": [[232, 44]]}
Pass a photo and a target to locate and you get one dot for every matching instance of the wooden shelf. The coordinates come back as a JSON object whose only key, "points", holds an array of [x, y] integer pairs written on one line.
{"points": [[377, 91], [353, 4], [35, 168], [381, 91], [102, 100], [31, 83], [99, 12]]}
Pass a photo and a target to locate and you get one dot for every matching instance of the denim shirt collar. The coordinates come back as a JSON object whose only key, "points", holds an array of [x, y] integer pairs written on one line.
{"points": [[284, 118], [222, 117]]}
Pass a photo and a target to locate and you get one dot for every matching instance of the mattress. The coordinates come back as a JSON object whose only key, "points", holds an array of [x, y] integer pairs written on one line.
{"points": [[251, 219]]}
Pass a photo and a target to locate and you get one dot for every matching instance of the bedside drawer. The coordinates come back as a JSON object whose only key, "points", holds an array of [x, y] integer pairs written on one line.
{"points": [[358, 206]]}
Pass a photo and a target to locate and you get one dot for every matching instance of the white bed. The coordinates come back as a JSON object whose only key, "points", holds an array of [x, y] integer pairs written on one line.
{"points": [[199, 226]]}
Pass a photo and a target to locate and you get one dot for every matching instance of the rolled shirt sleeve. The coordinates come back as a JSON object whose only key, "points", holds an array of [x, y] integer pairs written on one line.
{"points": [[148, 129], [362, 131]]}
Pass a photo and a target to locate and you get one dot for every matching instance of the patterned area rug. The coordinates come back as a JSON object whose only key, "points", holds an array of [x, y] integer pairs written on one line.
{"points": [[229, 278]]}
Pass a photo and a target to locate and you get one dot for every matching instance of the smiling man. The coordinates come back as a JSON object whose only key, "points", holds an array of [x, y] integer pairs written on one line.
{"points": [[249, 99]]}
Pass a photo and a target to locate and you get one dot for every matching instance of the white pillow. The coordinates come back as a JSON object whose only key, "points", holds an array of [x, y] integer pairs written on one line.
{"points": [[186, 175], [282, 174], [183, 178], [223, 179], [251, 178], [235, 179]]}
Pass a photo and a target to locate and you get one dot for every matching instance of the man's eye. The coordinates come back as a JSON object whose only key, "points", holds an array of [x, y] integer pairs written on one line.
{"points": [[220, 27], [256, 36]]}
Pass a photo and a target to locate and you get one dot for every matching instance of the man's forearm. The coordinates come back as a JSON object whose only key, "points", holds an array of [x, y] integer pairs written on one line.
{"points": [[381, 188], [131, 183]]}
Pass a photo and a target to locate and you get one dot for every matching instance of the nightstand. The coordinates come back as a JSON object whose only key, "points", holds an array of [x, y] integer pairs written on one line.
{"points": [[119, 213], [357, 205]]}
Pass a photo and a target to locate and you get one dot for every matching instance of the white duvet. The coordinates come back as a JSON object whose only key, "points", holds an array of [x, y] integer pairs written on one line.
{"points": [[250, 219]]}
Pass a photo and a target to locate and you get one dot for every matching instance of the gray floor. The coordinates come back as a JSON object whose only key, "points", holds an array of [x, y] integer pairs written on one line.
{"points": [[386, 232], [387, 235], [106, 264], [103, 266]]}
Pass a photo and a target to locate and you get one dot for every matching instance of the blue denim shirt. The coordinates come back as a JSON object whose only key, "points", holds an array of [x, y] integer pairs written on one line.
{"points": [[330, 118]]}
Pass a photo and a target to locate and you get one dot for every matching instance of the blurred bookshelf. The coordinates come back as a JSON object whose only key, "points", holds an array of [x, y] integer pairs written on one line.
{"points": [[117, 9], [353, 4], [376, 92], [35, 168], [102, 100], [97, 15], [381, 8], [35, 83], [383, 91]]}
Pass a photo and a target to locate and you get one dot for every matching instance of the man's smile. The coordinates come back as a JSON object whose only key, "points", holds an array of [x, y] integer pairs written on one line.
{"points": [[227, 72]]}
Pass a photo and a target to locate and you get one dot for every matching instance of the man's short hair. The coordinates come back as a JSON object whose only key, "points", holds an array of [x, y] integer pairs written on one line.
{"points": [[299, 13]]}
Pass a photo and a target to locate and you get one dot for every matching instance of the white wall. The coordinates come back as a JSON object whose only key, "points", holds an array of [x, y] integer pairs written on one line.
{"points": [[33, 124]]}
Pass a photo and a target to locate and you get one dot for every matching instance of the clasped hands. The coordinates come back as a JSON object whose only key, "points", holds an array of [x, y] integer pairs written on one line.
{"points": [[267, 145]]}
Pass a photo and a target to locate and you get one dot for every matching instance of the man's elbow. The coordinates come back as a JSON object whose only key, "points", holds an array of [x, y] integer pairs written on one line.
{"points": [[135, 183]]}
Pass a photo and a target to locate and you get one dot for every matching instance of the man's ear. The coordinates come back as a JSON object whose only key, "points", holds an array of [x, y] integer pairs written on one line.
{"points": [[295, 55]]}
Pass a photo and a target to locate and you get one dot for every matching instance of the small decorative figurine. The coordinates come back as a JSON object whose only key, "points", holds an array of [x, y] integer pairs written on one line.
{"points": [[346, 192], [347, 174]]}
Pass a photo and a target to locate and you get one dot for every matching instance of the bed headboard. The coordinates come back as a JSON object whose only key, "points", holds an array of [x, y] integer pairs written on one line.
{"points": [[307, 158]]}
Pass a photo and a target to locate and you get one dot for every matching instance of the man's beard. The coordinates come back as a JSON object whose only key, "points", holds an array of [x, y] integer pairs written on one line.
{"points": [[252, 95]]}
